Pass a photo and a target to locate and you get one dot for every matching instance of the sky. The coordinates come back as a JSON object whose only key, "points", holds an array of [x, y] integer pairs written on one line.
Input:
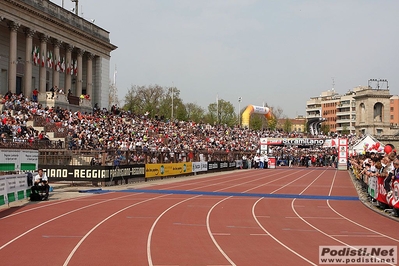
{"points": [[274, 52]]}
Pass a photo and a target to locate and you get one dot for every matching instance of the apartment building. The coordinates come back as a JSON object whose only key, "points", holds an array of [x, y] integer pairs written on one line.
{"points": [[363, 110]]}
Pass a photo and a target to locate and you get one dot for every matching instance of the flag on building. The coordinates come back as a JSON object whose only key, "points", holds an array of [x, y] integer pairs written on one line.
{"points": [[49, 59], [68, 69], [56, 63], [43, 61], [75, 68], [72, 68], [63, 65], [34, 55]]}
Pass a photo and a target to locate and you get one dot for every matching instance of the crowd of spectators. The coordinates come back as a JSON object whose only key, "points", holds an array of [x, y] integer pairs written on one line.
{"points": [[378, 173], [116, 129]]}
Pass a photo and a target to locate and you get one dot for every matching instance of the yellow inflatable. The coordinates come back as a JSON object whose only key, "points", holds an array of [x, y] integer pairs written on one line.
{"points": [[257, 110]]}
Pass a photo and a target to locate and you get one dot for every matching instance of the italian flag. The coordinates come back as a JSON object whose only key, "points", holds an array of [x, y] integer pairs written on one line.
{"points": [[68, 70], [56, 64], [36, 55], [75, 68], [63, 65], [50, 59], [43, 61]]}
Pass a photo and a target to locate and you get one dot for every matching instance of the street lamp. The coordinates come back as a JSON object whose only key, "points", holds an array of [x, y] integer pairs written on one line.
{"points": [[239, 110]]}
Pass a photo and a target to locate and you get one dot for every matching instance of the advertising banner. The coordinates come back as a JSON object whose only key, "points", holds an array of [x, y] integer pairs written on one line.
{"points": [[272, 162], [199, 167], [342, 154], [168, 169], [307, 142], [381, 193], [12, 188], [18, 160], [213, 166], [393, 198], [92, 173]]}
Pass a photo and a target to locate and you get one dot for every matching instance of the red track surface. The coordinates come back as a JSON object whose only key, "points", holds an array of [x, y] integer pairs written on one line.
{"points": [[164, 229]]}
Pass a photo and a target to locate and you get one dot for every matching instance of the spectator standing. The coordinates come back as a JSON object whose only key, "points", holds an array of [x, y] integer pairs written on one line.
{"points": [[35, 94]]}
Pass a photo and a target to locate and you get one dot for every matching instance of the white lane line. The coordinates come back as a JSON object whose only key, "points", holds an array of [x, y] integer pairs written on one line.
{"points": [[314, 227], [208, 227], [149, 255], [55, 236], [53, 219], [100, 223], [47, 205], [275, 238], [315, 217]]}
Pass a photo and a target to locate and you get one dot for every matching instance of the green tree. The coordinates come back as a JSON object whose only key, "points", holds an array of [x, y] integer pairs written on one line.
{"points": [[155, 100], [325, 128], [305, 126], [141, 99], [195, 112], [272, 123], [345, 130], [172, 105], [221, 113], [287, 127]]}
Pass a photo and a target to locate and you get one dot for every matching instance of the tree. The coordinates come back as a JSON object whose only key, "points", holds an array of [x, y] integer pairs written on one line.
{"points": [[172, 101], [287, 127], [195, 112], [272, 123], [257, 122], [221, 113], [345, 130], [325, 128], [277, 113], [141, 99], [155, 100]]}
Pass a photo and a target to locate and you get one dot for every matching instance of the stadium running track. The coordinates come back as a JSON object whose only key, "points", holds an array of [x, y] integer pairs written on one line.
{"points": [[249, 217]]}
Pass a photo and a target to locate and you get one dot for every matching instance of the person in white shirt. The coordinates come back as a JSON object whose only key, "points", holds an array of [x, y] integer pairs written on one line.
{"points": [[257, 159], [40, 183], [266, 163], [262, 161]]}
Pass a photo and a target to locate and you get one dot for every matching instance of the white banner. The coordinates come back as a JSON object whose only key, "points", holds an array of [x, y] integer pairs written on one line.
{"points": [[19, 160], [200, 166], [12, 188]]}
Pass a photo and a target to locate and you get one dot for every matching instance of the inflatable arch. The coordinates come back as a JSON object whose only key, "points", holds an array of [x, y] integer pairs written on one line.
{"points": [[257, 110]]}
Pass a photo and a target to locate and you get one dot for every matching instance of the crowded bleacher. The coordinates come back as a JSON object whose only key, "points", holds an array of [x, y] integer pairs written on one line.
{"points": [[121, 130]]}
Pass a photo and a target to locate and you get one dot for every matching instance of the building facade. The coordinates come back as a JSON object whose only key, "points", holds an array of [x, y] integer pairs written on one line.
{"points": [[373, 111], [44, 46], [329, 103], [346, 114], [363, 110]]}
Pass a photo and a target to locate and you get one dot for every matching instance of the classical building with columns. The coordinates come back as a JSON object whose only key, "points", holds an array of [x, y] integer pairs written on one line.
{"points": [[44, 46]]}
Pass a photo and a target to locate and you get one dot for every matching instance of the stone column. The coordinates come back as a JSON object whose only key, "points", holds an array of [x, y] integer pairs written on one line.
{"points": [[27, 84], [89, 85], [56, 74], [68, 61], [42, 67], [79, 79], [12, 63]]}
